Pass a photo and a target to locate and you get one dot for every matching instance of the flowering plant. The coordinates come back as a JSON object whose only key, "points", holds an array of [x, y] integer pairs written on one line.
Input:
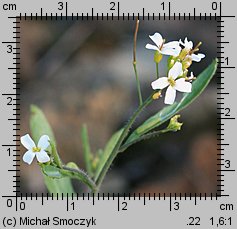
{"points": [[58, 175]]}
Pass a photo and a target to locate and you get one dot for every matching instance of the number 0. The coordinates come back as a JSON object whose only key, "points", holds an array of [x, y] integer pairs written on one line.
{"points": [[9, 203], [214, 6]]}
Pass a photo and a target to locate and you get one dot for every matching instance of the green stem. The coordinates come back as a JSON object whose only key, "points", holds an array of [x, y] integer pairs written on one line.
{"points": [[80, 175], [55, 155], [157, 70], [119, 142], [86, 150], [138, 84], [143, 137]]}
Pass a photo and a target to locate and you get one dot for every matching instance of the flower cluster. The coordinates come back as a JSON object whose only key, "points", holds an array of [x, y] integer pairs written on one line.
{"points": [[182, 54]]}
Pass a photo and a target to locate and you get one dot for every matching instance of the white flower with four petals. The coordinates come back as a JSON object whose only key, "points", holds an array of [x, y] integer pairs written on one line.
{"points": [[33, 150], [171, 48], [189, 46], [172, 83]]}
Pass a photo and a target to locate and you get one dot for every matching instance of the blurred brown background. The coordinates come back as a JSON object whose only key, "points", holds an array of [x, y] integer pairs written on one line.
{"points": [[81, 72]]}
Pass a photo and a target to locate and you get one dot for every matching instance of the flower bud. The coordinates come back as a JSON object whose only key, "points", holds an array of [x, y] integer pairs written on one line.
{"points": [[95, 163], [171, 62], [157, 57], [183, 53], [174, 125], [72, 165], [187, 62], [157, 95], [185, 73]]}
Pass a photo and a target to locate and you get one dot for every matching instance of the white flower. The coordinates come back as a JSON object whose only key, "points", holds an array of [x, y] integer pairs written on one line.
{"points": [[171, 48], [189, 46], [172, 84], [33, 150], [191, 77]]}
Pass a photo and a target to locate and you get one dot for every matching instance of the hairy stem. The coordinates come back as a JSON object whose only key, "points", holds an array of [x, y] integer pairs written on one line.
{"points": [[143, 137], [80, 175], [55, 155], [115, 151], [86, 150]]}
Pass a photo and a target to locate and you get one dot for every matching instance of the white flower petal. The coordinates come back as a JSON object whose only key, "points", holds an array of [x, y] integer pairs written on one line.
{"points": [[181, 42], [188, 44], [170, 51], [27, 142], [44, 142], [157, 39], [191, 76], [182, 85], [197, 57], [152, 47], [160, 83], [170, 95], [42, 156], [172, 44], [176, 70], [28, 157]]}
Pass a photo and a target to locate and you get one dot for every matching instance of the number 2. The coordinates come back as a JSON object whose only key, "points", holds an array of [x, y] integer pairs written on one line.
{"points": [[113, 4], [194, 221]]}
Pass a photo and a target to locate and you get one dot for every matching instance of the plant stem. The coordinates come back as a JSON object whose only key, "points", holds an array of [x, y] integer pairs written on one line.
{"points": [[86, 150], [135, 63], [143, 137], [80, 175], [55, 154], [138, 84], [119, 142], [157, 70]]}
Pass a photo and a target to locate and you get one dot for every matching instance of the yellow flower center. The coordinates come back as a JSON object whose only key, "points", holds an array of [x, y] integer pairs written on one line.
{"points": [[171, 81], [36, 149]]}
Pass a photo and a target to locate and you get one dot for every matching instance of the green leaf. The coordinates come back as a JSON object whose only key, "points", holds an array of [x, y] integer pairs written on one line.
{"points": [[40, 126], [168, 112], [60, 186], [70, 170], [86, 150], [107, 151], [51, 171]]}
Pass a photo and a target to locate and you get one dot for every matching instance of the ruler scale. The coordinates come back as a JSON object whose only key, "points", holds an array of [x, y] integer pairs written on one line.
{"points": [[184, 210]]}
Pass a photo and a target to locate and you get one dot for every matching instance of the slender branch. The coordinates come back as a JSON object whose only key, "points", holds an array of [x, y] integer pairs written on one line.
{"points": [[135, 41], [80, 175], [114, 153], [86, 149], [135, 63], [55, 155], [157, 70], [143, 137]]}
